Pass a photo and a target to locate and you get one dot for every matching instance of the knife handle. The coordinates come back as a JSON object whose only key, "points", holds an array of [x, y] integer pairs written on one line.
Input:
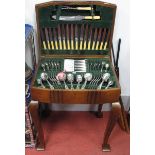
{"points": [[105, 46], [84, 45], [76, 45], [48, 43], [84, 8], [92, 17], [56, 45], [101, 46], [72, 44], [60, 44], [97, 44], [52, 45], [89, 45], [93, 46], [81, 45], [44, 45], [64, 43], [68, 44]]}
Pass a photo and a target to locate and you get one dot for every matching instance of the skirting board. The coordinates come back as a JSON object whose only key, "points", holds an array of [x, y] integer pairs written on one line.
{"points": [[87, 107]]}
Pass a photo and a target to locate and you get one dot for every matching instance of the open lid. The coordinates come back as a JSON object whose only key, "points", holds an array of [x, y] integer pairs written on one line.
{"points": [[71, 28]]}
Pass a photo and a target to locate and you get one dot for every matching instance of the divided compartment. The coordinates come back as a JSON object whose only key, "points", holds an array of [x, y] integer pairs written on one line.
{"points": [[74, 10], [90, 69], [75, 39]]}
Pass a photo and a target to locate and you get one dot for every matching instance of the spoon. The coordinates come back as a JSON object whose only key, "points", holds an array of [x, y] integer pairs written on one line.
{"points": [[78, 79], [70, 78], [106, 67], [43, 66], [88, 77], [105, 78], [39, 81], [110, 83], [102, 65], [62, 77], [46, 64], [44, 77]]}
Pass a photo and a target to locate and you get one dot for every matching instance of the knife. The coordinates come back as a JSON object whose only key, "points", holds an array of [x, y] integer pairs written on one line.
{"points": [[51, 39], [98, 39], [94, 39], [59, 37], [76, 18], [47, 38], [107, 40], [43, 39], [63, 36], [76, 8]]}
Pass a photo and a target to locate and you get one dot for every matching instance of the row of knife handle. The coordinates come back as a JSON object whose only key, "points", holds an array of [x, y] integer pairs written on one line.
{"points": [[52, 38]]}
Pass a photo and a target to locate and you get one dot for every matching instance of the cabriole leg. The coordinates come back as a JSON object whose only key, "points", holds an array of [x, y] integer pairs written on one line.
{"points": [[114, 116], [33, 108]]}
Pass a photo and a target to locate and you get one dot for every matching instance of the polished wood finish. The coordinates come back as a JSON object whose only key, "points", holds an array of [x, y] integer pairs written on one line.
{"points": [[101, 97], [33, 108], [115, 115]]}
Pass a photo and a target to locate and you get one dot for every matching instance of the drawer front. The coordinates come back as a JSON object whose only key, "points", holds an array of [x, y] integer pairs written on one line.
{"points": [[41, 95]]}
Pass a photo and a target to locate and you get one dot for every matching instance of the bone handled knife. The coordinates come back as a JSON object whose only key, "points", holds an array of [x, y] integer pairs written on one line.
{"points": [[81, 36], [59, 37], [72, 37], [107, 40], [64, 36], [68, 39], [102, 40], [76, 37], [51, 39], [94, 39], [85, 37], [89, 39], [47, 38], [98, 39], [43, 39], [55, 39]]}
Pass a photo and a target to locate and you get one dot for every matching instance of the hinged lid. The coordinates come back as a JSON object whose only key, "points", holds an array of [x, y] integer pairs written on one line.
{"points": [[71, 28]]}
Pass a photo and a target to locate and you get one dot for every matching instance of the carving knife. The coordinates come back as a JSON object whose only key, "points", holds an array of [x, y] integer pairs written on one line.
{"points": [[77, 18], [76, 8]]}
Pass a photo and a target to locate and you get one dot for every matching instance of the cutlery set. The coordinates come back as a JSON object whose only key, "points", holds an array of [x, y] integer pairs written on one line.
{"points": [[75, 74], [75, 37]]}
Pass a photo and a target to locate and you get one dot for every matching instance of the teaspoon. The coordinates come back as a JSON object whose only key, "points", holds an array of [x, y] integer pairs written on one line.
{"points": [[44, 77], [105, 78], [88, 77]]}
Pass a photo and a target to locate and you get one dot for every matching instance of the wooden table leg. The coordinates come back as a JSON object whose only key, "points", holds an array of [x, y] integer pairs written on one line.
{"points": [[123, 119], [114, 116], [99, 113], [33, 108]]}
